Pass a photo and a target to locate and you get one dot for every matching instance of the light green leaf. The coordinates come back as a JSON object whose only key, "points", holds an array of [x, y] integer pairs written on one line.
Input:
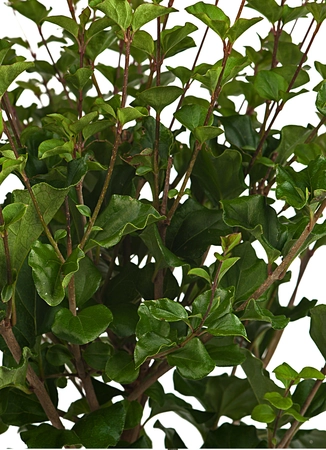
{"points": [[277, 400], [66, 23], [79, 126], [191, 116], [52, 147], [226, 265], [32, 9], [118, 10], [263, 413], [83, 328], [286, 374], [192, 360], [12, 213], [147, 12], [9, 73], [143, 41], [170, 38], [310, 372], [84, 210], [230, 241], [212, 16], [159, 97], [200, 272]]}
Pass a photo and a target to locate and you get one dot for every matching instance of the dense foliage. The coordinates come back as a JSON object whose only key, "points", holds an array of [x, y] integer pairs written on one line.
{"points": [[130, 177]]}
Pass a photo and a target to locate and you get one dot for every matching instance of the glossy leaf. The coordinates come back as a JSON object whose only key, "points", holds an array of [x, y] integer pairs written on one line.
{"points": [[101, 428], [170, 38], [16, 377], [279, 401], [228, 325], [128, 114], [12, 213], [192, 360], [165, 309], [254, 311], [150, 344], [200, 272], [97, 354], [122, 216], [83, 328], [240, 26], [321, 99]]}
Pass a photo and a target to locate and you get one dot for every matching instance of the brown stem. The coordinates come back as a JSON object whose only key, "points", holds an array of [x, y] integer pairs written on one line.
{"points": [[35, 383], [160, 368], [280, 271], [282, 103], [10, 310]]}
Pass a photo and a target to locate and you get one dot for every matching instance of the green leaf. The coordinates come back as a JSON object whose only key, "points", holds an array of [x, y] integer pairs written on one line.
{"points": [[321, 99], [263, 413], [147, 12], [270, 9], [317, 10], [252, 213], [165, 309], [212, 16], [84, 210], [52, 147], [202, 273], [159, 97], [121, 368], [128, 114], [292, 187], [172, 439], [226, 265], [163, 256], [253, 311], [286, 374], [224, 355], [16, 377], [230, 241], [143, 41], [310, 372], [66, 23], [101, 428], [19, 408], [80, 78], [122, 216], [228, 435], [277, 400], [134, 413], [58, 355], [239, 132], [32, 9], [118, 10], [150, 344], [206, 133], [97, 354], [192, 360], [240, 26], [12, 213], [49, 437], [50, 275], [83, 328], [191, 116], [82, 123], [270, 85], [228, 325], [170, 39], [318, 327], [9, 73]]}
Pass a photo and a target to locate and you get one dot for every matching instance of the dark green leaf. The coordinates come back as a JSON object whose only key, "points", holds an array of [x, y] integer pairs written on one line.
{"points": [[165, 309], [16, 377], [121, 368], [150, 344], [66, 23], [122, 216], [32, 9], [321, 99], [172, 439], [192, 360], [128, 114], [228, 325], [191, 116], [159, 97], [87, 281], [47, 436], [270, 85], [292, 187], [18, 408], [270, 9], [254, 312], [97, 354], [240, 26], [206, 133], [83, 328], [12, 213], [318, 327], [101, 428]]}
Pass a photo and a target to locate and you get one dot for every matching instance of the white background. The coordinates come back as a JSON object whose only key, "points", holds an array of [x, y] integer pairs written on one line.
{"points": [[296, 347]]}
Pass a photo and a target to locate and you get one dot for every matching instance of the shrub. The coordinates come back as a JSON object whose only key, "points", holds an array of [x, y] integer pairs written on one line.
{"points": [[130, 178]]}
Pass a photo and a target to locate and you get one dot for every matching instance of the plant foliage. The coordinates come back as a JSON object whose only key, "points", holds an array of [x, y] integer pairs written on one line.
{"points": [[130, 179]]}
